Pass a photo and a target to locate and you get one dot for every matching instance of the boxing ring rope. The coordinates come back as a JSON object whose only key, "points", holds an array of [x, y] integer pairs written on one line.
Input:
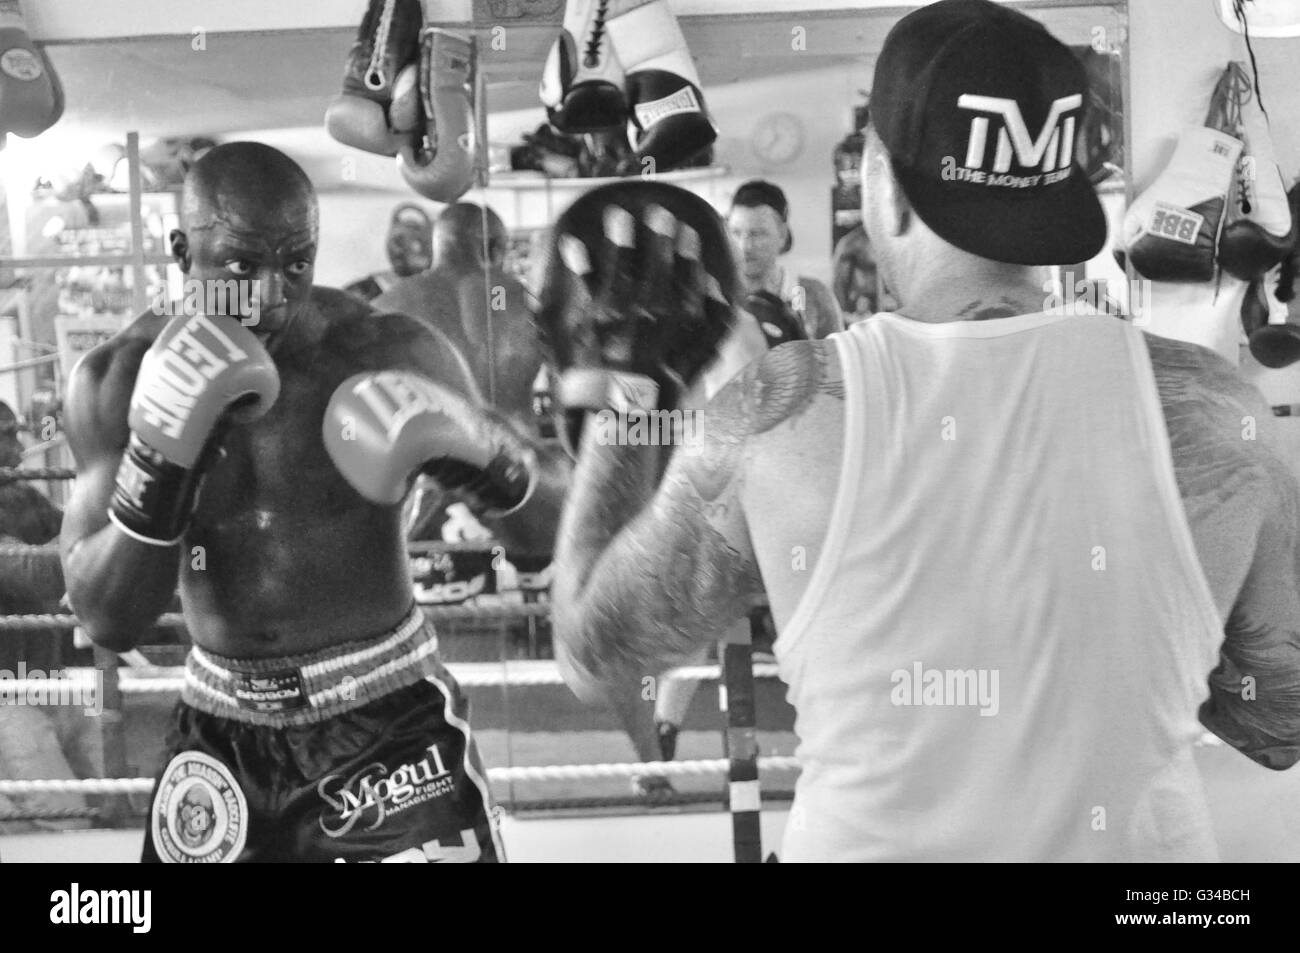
{"points": [[737, 674], [706, 767], [167, 680], [37, 473]]}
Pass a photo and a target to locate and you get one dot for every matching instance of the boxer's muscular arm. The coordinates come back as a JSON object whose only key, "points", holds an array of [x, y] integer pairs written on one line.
{"points": [[117, 585], [645, 575], [399, 342], [1243, 504]]}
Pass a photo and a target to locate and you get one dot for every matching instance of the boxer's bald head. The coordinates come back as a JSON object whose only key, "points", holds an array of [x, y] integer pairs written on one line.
{"points": [[458, 235], [249, 213], [249, 183]]}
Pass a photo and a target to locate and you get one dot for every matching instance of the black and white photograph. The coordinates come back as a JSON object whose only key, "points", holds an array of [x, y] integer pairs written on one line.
{"points": [[651, 432]]}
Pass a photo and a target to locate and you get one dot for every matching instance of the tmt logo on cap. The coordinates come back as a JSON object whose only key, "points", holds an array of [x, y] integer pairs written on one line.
{"points": [[1053, 148], [979, 107]]}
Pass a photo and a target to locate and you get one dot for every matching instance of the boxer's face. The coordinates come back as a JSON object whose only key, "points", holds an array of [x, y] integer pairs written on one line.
{"points": [[758, 234], [274, 250]]}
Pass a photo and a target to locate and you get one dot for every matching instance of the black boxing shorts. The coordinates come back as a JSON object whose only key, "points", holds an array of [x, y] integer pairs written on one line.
{"points": [[360, 752]]}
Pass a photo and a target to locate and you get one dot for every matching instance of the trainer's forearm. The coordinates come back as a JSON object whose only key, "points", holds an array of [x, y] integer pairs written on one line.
{"points": [[611, 485], [119, 586], [603, 635]]}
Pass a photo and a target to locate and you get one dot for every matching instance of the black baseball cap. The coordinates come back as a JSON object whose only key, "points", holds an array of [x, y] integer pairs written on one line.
{"points": [[979, 108]]}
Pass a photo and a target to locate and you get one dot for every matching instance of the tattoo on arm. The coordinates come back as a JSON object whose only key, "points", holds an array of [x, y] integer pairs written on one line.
{"points": [[645, 573]]}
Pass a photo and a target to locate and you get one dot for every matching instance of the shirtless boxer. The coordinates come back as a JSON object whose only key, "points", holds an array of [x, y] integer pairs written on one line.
{"points": [[997, 617], [316, 723]]}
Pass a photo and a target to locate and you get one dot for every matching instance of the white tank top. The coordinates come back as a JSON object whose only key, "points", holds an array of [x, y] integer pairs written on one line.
{"points": [[1002, 647]]}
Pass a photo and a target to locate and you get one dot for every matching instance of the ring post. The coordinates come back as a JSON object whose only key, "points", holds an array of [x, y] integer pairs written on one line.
{"points": [[736, 698]]}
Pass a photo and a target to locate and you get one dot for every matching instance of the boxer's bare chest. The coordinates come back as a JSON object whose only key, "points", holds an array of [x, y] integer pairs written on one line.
{"points": [[277, 467], [281, 549]]}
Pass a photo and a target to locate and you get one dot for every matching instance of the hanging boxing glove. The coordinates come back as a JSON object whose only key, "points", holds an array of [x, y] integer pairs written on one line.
{"points": [[31, 97], [1258, 231], [582, 81], [1272, 321], [663, 89], [378, 110], [1274, 340], [1171, 230], [441, 167]]}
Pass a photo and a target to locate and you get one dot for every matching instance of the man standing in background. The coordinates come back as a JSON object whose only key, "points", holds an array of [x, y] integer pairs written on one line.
{"points": [[759, 222]]}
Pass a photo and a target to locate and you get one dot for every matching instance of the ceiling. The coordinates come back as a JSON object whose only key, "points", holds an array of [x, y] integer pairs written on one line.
{"points": [[283, 80], [160, 86]]}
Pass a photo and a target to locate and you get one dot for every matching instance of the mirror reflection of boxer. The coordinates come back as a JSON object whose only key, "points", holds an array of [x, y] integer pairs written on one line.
{"points": [[409, 249], [469, 296], [759, 225], [306, 429]]}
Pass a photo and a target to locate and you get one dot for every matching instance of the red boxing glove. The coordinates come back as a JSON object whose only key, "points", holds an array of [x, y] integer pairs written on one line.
{"points": [[383, 428], [197, 369]]}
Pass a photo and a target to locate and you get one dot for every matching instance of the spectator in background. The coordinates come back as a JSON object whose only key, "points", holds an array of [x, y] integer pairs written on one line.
{"points": [[44, 742], [410, 251], [760, 229], [25, 513]]}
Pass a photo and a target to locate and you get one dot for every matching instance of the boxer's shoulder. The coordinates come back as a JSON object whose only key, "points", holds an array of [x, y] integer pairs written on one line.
{"points": [[360, 336], [99, 388]]}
